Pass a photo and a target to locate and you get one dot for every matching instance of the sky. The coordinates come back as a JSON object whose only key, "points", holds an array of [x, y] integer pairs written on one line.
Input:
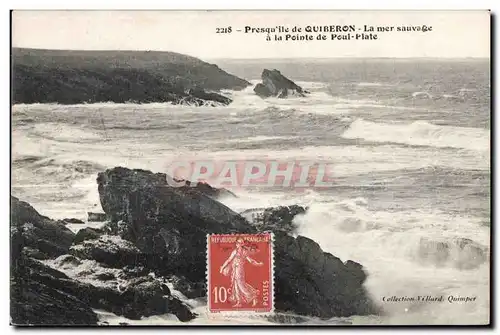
{"points": [[455, 34]]}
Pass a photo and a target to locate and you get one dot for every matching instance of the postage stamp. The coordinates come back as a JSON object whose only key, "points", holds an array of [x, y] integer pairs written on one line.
{"points": [[240, 273]]}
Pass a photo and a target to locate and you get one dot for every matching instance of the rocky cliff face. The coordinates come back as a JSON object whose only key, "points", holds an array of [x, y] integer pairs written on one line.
{"points": [[274, 84], [155, 242], [72, 76], [167, 221], [41, 294]]}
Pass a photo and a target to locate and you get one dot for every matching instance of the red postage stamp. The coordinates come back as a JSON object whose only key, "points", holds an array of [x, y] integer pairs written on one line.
{"points": [[240, 273]]}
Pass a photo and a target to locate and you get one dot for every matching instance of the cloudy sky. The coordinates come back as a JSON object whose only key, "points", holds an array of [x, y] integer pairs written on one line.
{"points": [[454, 34]]}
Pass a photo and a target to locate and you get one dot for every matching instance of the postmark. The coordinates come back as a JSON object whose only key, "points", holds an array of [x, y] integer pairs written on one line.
{"points": [[240, 276]]}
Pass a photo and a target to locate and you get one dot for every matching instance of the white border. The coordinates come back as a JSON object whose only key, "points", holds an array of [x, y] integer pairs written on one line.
{"points": [[255, 4]]}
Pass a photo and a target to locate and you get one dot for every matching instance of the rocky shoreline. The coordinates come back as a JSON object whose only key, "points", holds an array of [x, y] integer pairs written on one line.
{"points": [[78, 77], [149, 257]]}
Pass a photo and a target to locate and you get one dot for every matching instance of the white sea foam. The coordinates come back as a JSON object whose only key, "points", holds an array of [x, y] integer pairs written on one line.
{"points": [[375, 84], [420, 133], [61, 132], [386, 243], [420, 95], [262, 138], [317, 101], [343, 161]]}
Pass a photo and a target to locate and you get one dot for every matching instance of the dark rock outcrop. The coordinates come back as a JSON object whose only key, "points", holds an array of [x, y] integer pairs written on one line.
{"points": [[87, 233], [68, 260], [156, 232], [133, 271], [72, 220], [96, 217], [42, 295], [209, 190], [191, 289], [115, 252], [34, 253], [198, 97], [274, 84], [34, 301], [311, 282], [173, 222], [36, 231], [262, 91], [109, 250], [163, 220], [142, 296], [105, 276]]}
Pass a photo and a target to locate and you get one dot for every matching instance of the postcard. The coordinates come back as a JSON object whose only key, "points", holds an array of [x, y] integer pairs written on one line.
{"points": [[250, 168]]}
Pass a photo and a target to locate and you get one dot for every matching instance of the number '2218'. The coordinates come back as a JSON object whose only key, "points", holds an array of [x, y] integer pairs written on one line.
{"points": [[223, 30]]}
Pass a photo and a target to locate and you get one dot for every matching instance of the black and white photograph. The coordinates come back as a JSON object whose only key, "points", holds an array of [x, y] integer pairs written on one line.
{"points": [[271, 168]]}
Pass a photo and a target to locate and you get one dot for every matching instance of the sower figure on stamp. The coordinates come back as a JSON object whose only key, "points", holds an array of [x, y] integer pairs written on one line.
{"points": [[241, 291]]}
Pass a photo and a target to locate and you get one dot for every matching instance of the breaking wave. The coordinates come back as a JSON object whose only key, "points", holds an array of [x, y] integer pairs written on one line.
{"points": [[421, 133]]}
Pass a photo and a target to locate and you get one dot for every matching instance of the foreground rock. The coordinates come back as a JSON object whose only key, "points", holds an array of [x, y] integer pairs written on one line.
{"points": [[274, 84], [42, 295], [172, 223], [87, 233], [137, 297], [34, 301], [30, 229], [109, 250], [126, 292], [206, 189], [72, 220], [157, 232], [198, 97], [167, 221]]}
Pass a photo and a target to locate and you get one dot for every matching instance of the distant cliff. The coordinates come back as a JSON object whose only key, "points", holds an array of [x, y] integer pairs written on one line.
{"points": [[73, 76]]}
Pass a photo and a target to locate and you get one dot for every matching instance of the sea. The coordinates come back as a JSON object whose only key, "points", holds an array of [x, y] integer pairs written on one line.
{"points": [[408, 139]]}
